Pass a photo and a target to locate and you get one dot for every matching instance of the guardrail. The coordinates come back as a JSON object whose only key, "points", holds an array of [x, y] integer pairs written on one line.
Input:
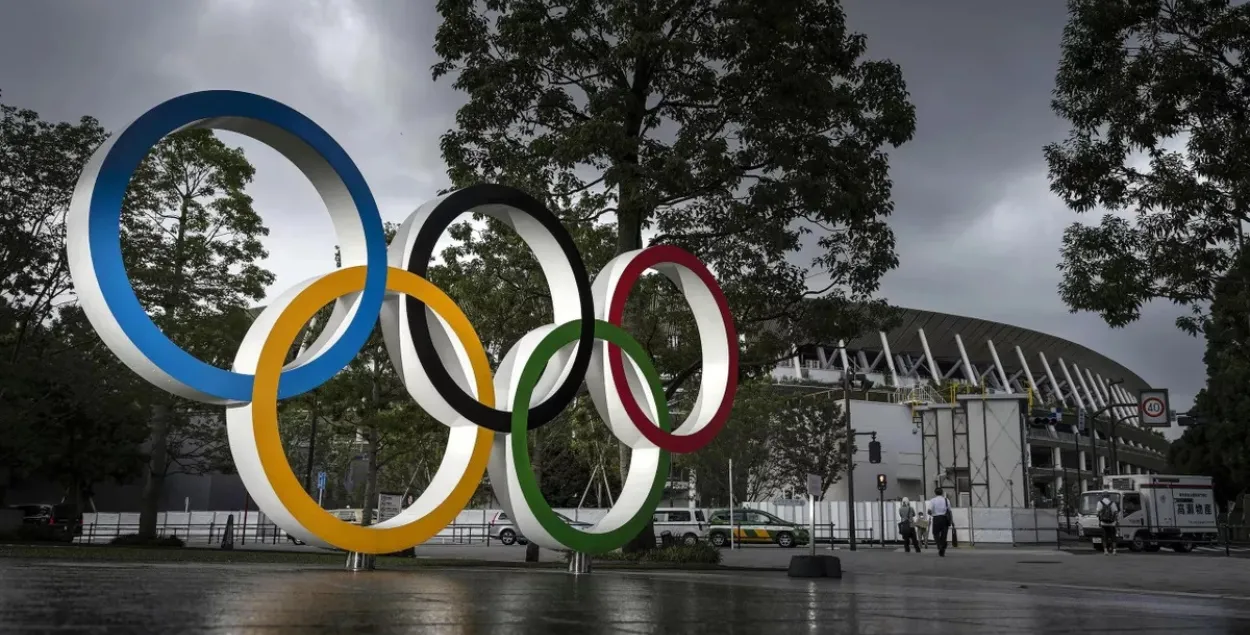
{"points": [[875, 524], [262, 533]]}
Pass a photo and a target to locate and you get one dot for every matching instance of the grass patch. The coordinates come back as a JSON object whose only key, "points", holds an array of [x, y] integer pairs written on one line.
{"points": [[114, 553], [134, 540], [699, 554]]}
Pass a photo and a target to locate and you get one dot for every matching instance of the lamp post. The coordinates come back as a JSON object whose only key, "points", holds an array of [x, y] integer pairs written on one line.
{"points": [[1093, 441]]}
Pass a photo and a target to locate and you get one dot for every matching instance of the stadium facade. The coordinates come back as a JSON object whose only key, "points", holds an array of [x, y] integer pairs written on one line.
{"points": [[989, 411]]}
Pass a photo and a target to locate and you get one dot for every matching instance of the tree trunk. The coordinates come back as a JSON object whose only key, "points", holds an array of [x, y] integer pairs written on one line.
{"points": [[154, 486], [371, 480]]}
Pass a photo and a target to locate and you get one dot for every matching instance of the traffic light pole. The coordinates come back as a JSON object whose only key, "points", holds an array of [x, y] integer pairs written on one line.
{"points": [[850, 459], [850, 480]]}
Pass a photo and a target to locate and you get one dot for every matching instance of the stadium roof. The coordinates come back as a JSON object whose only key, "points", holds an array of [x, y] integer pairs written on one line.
{"points": [[940, 330]]}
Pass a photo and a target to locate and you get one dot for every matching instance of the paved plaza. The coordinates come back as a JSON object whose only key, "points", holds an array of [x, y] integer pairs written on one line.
{"points": [[881, 593]]}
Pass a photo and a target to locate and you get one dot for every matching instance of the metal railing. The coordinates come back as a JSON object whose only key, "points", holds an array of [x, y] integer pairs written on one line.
{"points": [[265, 533]]}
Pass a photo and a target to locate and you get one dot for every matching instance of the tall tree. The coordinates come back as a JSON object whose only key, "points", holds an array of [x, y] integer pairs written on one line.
{"points": [[191, 242], [64, 407], [1220, 445], [734, 129], [88, 420], [39, 165], [777, 435], [809, 437], [1157, 94]]}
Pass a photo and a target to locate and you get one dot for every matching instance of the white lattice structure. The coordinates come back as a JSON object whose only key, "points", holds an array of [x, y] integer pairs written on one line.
{"points": [[980, 436]]}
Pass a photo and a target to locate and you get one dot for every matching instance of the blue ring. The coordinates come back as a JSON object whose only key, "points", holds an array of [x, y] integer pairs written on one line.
{"points": [[104, 223]]}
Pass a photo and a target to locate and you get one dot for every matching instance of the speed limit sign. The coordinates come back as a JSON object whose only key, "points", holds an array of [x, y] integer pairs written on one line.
{"points": [[1153, 407]]}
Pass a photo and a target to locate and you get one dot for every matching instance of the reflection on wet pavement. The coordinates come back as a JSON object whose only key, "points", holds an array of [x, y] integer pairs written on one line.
{"points": [[176, 598]]}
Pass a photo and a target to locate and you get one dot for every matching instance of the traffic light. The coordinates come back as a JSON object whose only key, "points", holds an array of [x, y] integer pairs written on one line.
{"points": [[881, 482], [874, 451]]}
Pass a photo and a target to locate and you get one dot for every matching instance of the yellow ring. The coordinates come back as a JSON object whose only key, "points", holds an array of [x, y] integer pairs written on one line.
{"points": [[273, 459]]}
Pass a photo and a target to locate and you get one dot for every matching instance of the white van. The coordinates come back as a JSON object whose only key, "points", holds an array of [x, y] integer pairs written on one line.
{"points": [[1155, 511], [685, 524]]}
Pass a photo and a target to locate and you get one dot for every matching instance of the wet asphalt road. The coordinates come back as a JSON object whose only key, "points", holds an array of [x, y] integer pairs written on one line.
{"points": [[42, 596]]}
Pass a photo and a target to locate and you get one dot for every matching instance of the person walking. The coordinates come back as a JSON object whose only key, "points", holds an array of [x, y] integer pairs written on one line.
{"points": [[951, 531], [940, 513], [906, 527], [1108, 513], [921, 526]]}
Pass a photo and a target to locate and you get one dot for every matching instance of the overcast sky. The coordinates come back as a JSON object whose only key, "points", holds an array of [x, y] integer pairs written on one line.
{"points": [[978, 229]]}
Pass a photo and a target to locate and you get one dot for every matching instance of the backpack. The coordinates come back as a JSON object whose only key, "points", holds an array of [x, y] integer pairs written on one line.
{"points": [[1107, 514]]}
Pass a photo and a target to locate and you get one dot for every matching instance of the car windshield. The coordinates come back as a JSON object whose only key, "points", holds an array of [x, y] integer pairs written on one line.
{"points": [[1089, 501]]}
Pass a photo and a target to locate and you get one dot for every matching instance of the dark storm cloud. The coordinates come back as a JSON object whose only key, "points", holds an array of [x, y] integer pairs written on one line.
{"points": [[978, 229]]}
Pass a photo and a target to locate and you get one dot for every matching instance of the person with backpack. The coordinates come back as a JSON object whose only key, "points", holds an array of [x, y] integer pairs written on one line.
{"points": [[1108, 513], [906, 528]]}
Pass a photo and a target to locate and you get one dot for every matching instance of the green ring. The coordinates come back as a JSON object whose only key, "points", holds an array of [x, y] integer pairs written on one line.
{"points": [[575, 539]]}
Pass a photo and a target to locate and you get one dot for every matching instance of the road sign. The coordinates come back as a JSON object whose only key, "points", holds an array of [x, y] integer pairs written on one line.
{"points": [[389, 506], [1152, 406], [813, 484], [321, 480], [1080, 420]]}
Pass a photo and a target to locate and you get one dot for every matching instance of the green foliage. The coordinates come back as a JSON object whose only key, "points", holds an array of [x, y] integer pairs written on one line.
{"points": [[71, 413], [191, 243], [776, 436], [809, 437], [732, 129], [1220, 445], [701, 553], [737, 130], [1137, 80]]}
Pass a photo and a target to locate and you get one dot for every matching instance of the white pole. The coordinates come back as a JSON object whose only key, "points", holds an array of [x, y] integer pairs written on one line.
{"points": [[733, 537], [811, 521], [320, 494]]}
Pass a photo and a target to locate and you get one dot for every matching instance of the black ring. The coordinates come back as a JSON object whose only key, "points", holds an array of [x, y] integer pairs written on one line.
{"points": [[440, 218]]}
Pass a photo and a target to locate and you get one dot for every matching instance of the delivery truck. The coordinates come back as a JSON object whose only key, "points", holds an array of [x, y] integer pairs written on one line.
{"points": [[1156, 511]]}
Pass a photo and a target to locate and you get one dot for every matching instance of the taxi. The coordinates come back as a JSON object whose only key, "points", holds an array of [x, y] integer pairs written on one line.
{"points": [[753, 527]]}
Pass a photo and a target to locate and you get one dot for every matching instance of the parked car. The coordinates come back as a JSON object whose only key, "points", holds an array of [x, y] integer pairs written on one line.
{"points": [[502, 529], [60, 518], [683, 523], [751, 526]]}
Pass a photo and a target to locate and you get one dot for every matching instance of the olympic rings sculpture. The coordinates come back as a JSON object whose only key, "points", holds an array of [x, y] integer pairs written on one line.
{"points": [[431, 343]]}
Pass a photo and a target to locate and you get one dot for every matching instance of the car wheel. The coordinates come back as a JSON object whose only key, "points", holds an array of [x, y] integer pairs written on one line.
{"points": [[719, 539], [1138, 544], [1184, 546], [690, 540], [507, 537], [785, 539]]}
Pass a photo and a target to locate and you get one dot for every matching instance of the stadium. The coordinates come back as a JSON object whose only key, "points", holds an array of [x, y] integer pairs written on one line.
{"points": [[987, 410]]}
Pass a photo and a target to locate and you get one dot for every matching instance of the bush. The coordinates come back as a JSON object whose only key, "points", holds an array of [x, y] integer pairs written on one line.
{"points": [[676, 554], [133, 540], [42, 533]]}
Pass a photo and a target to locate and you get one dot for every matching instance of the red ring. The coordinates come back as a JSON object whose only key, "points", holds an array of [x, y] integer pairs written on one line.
{"points": [[645, 260]]}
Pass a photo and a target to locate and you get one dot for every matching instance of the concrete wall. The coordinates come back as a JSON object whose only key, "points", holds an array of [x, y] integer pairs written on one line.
{"points": [[995, 461], [900, 453]]}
